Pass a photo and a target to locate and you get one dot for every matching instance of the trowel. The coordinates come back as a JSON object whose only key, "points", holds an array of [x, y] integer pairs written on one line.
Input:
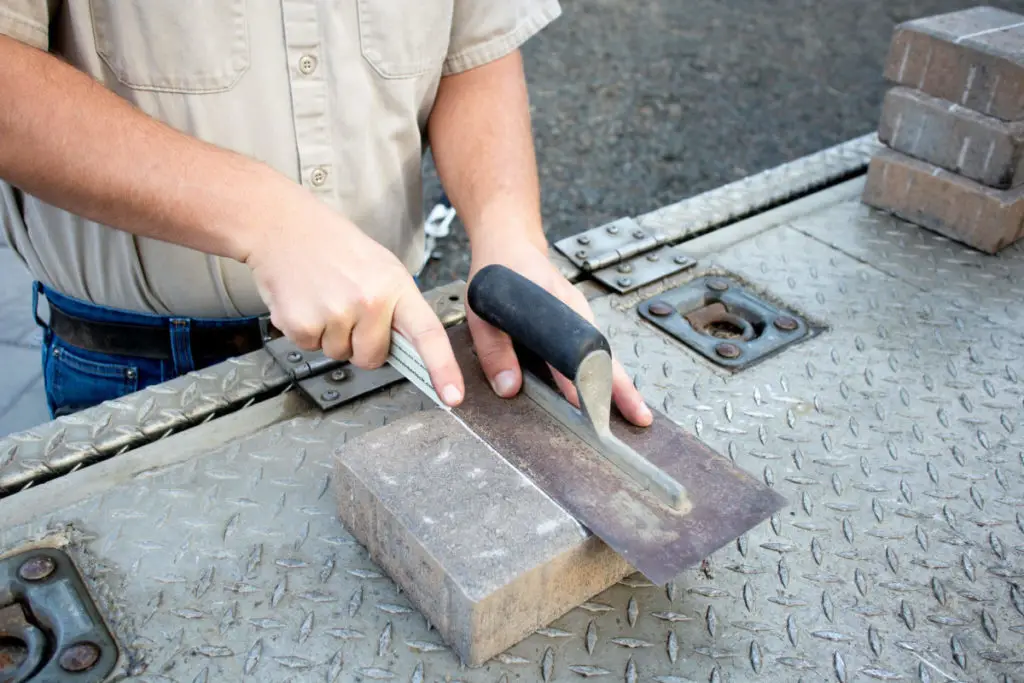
{"points": [[656, 495]]}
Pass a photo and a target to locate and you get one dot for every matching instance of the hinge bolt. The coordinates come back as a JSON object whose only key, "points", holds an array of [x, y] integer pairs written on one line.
{"points": [[329, 395], [294, 356], [660, 308], [639, 234], [653, 257], [786, 323], [581, 253], [37, 569], [583, 239], [727, 350], [718, 285], [625, 268], [612, 229], [339, 375], [624, 281], [680, 259], [79, 657]]}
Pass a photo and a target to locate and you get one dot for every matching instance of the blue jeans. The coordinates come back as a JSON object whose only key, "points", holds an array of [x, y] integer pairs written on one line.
{"points": [[77, 378]]}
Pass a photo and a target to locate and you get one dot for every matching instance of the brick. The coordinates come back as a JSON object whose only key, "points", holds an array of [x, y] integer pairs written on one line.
{"points": [[477, 548], [972, 57], [957, 139], [943, 202]]}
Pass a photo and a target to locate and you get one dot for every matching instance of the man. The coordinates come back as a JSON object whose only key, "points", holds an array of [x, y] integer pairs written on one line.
{"points": [[177, 168]]}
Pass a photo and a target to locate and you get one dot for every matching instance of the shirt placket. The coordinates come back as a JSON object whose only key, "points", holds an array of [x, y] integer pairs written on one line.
{"points": [[308, 81]]}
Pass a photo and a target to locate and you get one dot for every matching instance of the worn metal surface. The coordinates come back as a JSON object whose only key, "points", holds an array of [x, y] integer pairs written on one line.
{"points": [[641, 270], [114, 427], [896, 435]]}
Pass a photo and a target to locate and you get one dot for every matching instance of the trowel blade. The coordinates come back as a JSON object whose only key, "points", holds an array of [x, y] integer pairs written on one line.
{"points": [[656, 540]]}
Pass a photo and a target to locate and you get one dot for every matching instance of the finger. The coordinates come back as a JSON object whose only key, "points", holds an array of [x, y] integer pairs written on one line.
{"points": [[299, 326], [371, 336], [496, 355], [415, 320], [628, 398], [566, 386], [337, 337]]}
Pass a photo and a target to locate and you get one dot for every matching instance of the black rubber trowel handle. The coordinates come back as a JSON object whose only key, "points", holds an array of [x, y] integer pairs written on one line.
{"points": [[534, 318]]}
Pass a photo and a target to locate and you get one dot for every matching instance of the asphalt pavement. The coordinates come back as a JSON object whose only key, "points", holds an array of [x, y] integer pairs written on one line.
{"points": [[641, 104]]}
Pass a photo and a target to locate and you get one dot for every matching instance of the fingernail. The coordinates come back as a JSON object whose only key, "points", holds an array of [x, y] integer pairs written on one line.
{"points": [[451, 395], [504, 382]]}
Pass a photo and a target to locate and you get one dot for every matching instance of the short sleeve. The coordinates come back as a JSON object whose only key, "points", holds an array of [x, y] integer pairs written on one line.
{"points": [[486, 30], [28, 21]]}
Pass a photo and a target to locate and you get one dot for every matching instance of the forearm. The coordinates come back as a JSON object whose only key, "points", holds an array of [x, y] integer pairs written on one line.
{"points": [[482, 144], [72, 143]]}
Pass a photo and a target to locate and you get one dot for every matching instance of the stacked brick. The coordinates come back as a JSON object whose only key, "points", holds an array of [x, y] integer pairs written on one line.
{"points": [[952, 126]]}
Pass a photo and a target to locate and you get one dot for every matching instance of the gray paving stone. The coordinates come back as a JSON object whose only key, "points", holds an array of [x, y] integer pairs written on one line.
{"points": [[28, 410], [483, 553], [19, 369]]}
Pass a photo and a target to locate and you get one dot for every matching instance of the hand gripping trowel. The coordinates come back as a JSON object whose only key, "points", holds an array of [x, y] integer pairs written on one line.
{"points": [[656, 495]]}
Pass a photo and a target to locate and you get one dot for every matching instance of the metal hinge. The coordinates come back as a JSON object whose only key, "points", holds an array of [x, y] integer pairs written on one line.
{"points": [[624, 256], [330, 383]]}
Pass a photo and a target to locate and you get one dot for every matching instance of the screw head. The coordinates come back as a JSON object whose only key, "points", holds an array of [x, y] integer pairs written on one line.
{"points": [[786, 323], [329, 395], [639, 234], [581, 253], [653, 257], [612, 229], [727, 350], [339, 375], [294, 356], [624, 281], [625, 268], [718, 285], [37, 569], [79, 657], [583, 239], [679, 259], [660, 308]]}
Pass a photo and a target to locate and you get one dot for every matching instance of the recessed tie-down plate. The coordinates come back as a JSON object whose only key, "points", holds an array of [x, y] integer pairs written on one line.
{"points": [[724, 322]]}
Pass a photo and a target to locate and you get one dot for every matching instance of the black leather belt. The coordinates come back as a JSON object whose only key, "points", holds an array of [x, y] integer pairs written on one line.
{"points": [[208, 344]]}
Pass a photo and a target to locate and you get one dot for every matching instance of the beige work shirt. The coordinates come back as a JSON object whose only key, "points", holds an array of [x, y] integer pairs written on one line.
{"points": [[334, 94]]}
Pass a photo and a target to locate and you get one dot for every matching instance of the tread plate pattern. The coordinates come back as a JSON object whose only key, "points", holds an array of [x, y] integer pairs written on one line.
{"points": [[896, 436]]}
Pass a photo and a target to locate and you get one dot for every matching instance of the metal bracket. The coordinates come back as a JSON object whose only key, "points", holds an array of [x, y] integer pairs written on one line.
{"points": [[330, 383], [624, 256], [727, 324], [50, 630]]}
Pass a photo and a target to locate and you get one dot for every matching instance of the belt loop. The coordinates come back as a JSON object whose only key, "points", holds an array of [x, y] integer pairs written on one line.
{"points": [[181, 345], [37, 289]]}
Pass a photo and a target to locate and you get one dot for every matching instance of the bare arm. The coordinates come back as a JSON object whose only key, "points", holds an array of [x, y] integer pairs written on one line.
{"points": [[482, 143], [72, 143]]}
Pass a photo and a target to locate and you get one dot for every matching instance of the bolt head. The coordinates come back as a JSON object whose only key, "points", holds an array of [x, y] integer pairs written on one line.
{"points": [[625, 281], [718, 285], [660, 308], [679, 259], [653, 257], [37, 569], [625, 268], [786, 323], [612, 229], [581, 253], [294, 356], [639, 234], [79, 657], [583, 239], [727, 350], [329, 395], [339, 375]]}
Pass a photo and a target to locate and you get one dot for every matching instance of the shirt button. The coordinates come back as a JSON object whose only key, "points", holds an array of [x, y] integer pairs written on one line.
{"points": [[318, 177], [307, 64]]}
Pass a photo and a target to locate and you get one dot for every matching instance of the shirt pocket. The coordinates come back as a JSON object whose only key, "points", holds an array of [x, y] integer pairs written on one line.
{"points": [[183, 46], [405, 38]]}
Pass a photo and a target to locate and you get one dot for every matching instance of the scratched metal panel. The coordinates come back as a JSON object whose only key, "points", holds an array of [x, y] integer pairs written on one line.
{"points": [[896, 436], [114, 427]]}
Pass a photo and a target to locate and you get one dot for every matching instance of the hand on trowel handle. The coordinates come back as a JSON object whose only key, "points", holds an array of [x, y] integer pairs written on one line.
{"points": [[546, 311]]}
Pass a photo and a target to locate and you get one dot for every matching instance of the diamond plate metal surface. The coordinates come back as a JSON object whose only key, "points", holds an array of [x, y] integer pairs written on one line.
{"points": [[896, 435], [70, 442]]}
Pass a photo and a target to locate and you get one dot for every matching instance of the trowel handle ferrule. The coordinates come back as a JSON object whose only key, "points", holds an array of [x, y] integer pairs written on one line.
{"points": [[534, 318]]}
